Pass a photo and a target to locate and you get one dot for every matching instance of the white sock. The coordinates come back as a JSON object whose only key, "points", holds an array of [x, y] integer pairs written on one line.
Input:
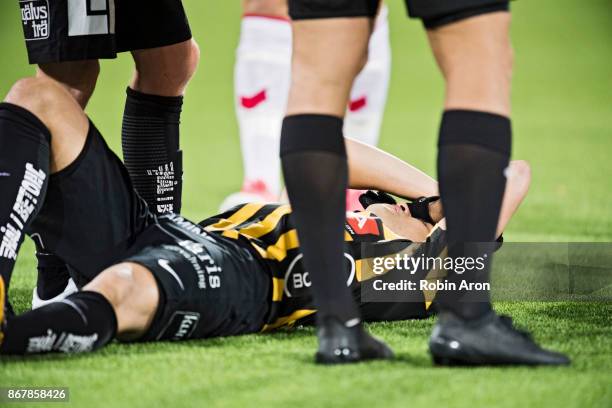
{"points": [[261, 84], [369, 93]]}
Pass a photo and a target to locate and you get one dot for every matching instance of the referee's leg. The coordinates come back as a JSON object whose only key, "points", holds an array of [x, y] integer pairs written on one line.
{"points": [[475, 57], [327, 55]]}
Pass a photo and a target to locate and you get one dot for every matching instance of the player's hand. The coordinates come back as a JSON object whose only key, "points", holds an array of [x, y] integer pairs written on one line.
{"points": [[427, 209]]}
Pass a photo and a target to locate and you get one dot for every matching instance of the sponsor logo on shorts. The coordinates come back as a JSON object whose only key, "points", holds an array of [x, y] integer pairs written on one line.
{"points": [[164, 263], [35, 19], [180, 326]]}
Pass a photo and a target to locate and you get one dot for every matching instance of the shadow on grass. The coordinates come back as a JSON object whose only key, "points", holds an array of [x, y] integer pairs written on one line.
{"points": [[591, 313], [117, 348], [300, 342]]}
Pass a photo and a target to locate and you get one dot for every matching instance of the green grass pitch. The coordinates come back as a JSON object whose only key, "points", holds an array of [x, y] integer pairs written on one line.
{"points": [[562, 124]]}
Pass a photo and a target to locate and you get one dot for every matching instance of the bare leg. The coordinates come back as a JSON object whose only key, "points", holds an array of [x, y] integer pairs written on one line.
{"points": [[78, 77], [132, 291], [165, 71], [475, 56], [59, 111]]}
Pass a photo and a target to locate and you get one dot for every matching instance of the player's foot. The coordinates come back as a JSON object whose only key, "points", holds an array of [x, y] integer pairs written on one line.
{"points": [[490, 340], [37, 302], [251, 192], [341, 343], [53, 282], [2, 307]]}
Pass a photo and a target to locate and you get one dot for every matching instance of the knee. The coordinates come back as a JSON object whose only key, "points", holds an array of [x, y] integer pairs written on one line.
{"points": [[78, 77], [167, 70], [132, 291], [188, 64], [115, 283], [38, 95]]}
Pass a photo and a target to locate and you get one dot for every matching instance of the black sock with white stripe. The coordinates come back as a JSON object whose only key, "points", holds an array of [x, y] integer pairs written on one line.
{"points": [[150, 141], [24, 173], [84, 321]]}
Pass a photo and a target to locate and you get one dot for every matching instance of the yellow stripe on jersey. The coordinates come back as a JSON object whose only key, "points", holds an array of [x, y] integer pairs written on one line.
{"points": [[288, 320], [237, 218], [266, 225], [286, 242], [277, 289], [358, 266], [233, 234]]}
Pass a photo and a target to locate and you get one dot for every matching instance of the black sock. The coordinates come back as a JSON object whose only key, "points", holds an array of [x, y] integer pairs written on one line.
{"points": [[24, 173], [84, 321], [316, 175], [474, 150], [52, 276], [150, 140]]}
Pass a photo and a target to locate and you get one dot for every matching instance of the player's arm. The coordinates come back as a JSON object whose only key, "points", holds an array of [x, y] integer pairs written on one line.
{"points": [[372, 168], [517, 186]]}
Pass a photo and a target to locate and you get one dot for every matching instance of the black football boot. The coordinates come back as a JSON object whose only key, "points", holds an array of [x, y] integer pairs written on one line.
{"points": [[489, 340], [342, 343]]}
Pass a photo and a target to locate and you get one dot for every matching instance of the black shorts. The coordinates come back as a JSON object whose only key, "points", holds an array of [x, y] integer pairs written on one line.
{"points": [[91, 213], [209, 286], [92, 219], [72, 30], [434, 13]]}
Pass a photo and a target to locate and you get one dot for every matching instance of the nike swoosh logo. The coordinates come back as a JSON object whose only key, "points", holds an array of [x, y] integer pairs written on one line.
{"points": [[250, 102], [357, 104], [164, 263]]}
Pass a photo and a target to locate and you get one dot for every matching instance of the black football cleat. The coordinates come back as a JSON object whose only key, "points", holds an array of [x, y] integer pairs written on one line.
{"points": [[342, 344], [490, 340]]}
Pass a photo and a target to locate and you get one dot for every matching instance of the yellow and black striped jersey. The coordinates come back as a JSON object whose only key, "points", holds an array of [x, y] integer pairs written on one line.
{"points": [[268, 229]]}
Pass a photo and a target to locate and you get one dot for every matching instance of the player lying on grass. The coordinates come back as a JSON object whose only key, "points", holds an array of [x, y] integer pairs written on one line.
{"points": [[147, 277]]}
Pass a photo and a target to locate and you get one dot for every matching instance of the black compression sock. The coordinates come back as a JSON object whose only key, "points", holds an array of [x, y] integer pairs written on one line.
{"points": [[84, 321], [474, 150], [24, 170], [150, 140], [316, 175]]}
